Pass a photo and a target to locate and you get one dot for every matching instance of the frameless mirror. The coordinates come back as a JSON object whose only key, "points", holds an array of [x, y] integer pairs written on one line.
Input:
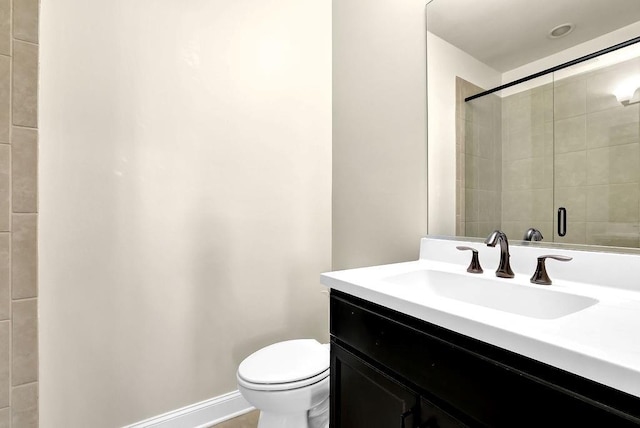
{"points": [[554, 152]]}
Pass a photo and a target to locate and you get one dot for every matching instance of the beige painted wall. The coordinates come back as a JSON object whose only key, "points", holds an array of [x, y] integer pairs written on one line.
{"points": [[379, 131], [185, 197]]}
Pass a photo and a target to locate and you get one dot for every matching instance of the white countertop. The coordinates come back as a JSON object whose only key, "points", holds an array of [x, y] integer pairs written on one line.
{"points": [[601, 342]]}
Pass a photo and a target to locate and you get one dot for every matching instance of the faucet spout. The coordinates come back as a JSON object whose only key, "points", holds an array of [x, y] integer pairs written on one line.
{"points": [[504, 268], [532, 235]]}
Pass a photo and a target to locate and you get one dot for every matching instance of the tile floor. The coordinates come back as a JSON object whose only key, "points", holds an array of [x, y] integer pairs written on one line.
{"points": [[249, 420]]}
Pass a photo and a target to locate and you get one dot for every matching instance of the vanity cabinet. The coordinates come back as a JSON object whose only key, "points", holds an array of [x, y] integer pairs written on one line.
{"points": [[368, 397], [390, 370]]}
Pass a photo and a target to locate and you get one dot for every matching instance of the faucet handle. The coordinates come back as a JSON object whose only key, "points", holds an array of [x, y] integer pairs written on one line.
{"points": [[540, 276], [474, 267]]}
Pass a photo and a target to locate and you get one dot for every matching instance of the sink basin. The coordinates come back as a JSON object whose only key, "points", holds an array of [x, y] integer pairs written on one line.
{"points": [[499, 294]]}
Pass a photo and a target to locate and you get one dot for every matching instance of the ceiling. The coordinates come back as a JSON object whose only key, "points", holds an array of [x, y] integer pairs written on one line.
{"points": [[506, 34]]}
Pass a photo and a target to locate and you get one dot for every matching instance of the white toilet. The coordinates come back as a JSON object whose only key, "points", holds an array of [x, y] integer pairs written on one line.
{"points": [[288, 382]]}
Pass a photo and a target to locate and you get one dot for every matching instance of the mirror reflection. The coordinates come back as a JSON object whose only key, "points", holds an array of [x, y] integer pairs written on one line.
{"points": [[553, 158]]}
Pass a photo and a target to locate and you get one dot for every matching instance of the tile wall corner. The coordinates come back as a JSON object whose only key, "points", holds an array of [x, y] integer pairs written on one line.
{"points": [[18, 213]]}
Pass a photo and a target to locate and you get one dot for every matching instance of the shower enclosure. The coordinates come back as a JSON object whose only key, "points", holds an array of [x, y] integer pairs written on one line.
{"points": [[558, 152]]}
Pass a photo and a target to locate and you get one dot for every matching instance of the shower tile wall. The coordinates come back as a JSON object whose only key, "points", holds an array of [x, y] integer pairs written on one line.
{"points": [[597, 147], [18, 213], [479, 157], [527, 162]]}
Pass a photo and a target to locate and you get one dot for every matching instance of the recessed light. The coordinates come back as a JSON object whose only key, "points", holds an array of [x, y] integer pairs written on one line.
{"points": [[561, 30]]}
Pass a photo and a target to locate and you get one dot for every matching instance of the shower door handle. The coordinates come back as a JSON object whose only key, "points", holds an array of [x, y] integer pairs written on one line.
{"points": [[562, 221]]}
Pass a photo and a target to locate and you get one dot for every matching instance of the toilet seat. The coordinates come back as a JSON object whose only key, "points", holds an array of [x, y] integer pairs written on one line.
{"points": [[285, 365], [283, 386]]}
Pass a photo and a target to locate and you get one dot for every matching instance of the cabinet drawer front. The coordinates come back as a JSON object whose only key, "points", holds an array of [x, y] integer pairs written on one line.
{"points": [[485, 390]]}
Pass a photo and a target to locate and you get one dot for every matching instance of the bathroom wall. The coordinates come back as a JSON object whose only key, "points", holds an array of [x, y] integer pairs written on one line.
{"points": [[18, 213], [185, 197], [379, 131]]}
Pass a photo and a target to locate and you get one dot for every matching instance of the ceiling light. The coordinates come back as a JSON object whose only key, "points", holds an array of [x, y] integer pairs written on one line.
{"points": [[561, 30]]}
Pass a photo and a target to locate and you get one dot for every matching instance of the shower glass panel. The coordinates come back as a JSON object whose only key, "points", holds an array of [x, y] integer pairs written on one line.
{"points": [[507, 142], [597, 150], [527, 166], [568, 140]]}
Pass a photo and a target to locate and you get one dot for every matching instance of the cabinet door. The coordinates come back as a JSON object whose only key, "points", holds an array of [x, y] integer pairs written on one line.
{"points": [[364, 397], [434, 417]]}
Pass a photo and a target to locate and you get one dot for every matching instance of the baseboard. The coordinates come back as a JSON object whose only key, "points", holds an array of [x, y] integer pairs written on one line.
{"points": [[200, 415]]}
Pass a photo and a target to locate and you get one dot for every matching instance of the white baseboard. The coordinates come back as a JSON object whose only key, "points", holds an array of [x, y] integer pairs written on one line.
{"points": [[200, 415]]}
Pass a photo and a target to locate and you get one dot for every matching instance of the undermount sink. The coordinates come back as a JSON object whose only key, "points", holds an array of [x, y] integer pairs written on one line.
{"points": [[497, 294]]}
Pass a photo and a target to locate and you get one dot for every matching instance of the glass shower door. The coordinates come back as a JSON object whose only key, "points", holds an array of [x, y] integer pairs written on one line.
{"points": [[596, 162]]}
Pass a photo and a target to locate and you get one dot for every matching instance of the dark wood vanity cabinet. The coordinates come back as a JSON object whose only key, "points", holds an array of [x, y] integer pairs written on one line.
{"points": [[392, 370], [367, 397]]}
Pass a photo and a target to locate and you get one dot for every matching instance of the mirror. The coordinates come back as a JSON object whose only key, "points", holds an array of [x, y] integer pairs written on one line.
{"points": [[558, 153]]}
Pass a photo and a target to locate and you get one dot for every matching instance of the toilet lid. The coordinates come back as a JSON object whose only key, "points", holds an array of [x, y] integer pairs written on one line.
{"points": [[285, 362]]}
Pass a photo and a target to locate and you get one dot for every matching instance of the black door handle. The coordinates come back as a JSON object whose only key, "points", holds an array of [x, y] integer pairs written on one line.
{"points": [[562, 221]]}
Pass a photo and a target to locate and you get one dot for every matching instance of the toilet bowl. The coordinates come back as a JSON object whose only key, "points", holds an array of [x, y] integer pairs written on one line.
{"points": [[285, 381]]}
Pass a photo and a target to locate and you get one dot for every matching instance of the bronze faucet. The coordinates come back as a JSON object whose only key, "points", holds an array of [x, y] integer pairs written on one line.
{"points": [[532, 235], [504, 269]]}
